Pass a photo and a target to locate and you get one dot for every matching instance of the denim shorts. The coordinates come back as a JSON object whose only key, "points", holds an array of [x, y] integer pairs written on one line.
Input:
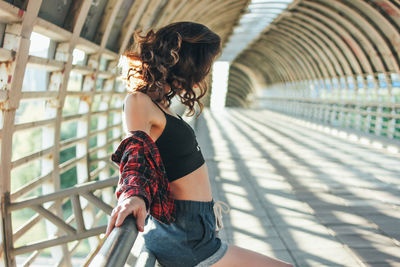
{"points": [[191, 240]]}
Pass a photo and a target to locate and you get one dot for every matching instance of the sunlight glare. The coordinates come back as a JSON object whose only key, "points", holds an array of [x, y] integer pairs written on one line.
{"points": [[39, 45], [219, 85]]}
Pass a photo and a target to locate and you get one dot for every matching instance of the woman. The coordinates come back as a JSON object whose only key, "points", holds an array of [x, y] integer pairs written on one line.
{"points": [[173, 61]]}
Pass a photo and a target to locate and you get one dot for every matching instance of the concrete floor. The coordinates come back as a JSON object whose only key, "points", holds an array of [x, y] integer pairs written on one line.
{"points": [[300, 194]]}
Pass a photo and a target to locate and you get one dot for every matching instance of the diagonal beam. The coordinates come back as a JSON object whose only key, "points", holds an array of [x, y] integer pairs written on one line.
{"points": [[54, 219], [76, 205], [98, 202]]}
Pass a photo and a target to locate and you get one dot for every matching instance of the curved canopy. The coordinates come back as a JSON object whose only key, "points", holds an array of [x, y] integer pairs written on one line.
{"points": [[316, 47]]}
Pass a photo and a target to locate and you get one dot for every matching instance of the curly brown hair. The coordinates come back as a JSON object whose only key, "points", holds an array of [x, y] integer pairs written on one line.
{"points": [[179, 55]]}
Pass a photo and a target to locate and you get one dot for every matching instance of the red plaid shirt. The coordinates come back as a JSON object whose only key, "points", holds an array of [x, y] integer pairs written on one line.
{"points": [[142, 173]]}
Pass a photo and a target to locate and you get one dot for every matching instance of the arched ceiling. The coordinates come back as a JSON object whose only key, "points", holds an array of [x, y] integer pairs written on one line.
{"points": [[326, 42], [256, 17]]}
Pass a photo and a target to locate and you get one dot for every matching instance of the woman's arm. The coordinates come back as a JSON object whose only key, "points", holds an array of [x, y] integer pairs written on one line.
{"points": [[137, 112], [136, 117]]}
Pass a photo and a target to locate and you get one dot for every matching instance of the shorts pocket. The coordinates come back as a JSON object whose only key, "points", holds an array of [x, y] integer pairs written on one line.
{"points": [[209, 224], [196, 231]]}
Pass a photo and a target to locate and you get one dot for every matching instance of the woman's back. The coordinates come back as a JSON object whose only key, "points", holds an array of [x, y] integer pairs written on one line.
{"points": [[141, 113]]}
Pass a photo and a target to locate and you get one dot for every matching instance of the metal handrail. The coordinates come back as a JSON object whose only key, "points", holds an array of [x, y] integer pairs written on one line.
{"points": [[116, 248]]}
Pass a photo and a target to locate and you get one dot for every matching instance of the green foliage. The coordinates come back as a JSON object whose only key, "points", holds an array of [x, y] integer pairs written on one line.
{"points": [[67, 154], [68, 130], [26, 142], [23, 175], [68, 178], [93, 123], [92, 141], [71, 106]]}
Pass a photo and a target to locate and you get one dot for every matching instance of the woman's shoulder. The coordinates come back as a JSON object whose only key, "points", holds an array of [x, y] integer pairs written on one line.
{"points": [[137, 98], [142, 105], [138, 101]]}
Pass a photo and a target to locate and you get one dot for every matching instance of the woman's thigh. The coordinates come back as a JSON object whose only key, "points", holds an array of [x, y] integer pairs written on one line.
{"points": [[236, 256]]}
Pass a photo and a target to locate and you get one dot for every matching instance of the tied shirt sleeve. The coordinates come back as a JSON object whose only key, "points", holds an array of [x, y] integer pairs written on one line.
{"points": [[134, 172], [142, 173]]}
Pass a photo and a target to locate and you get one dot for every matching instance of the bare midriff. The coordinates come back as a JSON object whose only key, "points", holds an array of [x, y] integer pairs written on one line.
{"points": [[193, 186]]}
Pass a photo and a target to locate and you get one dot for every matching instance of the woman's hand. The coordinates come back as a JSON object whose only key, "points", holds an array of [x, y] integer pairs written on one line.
{"points": [[134, 205]]}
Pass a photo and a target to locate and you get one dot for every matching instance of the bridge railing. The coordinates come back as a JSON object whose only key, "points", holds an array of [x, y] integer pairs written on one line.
{"points": [[114, 250], [71, 229], [375, 120]]}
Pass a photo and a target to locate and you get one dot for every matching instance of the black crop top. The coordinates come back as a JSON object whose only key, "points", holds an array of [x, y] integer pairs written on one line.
{"points": [[178, 147]]}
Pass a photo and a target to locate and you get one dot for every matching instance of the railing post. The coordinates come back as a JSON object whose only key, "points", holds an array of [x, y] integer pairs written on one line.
{"points": [[7, 230]]}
